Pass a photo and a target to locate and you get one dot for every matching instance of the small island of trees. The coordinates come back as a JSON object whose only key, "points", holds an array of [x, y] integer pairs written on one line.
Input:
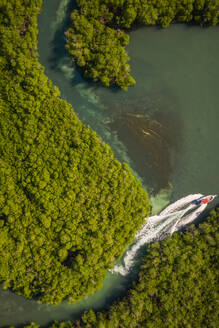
{"points": [[98, 32]]}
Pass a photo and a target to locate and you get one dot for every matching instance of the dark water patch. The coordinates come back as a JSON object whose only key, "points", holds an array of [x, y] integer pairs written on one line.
{"points": [[147, 144], [149, 140]]}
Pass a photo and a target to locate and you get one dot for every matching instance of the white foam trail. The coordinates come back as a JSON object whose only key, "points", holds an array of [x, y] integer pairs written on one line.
{"points": [[191, 217], [158, 227], [181, 202]]}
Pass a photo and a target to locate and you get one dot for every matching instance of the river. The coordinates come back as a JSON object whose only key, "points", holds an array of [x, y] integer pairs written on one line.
{"points": [[165, 127]]}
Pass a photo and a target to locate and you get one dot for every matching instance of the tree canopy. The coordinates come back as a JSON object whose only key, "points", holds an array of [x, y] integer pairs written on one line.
{"points": [[96, 37], [68, 208]]}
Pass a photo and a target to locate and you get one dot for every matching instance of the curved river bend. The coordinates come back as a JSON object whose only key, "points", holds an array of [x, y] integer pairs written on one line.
{"points": [[165, 127]]}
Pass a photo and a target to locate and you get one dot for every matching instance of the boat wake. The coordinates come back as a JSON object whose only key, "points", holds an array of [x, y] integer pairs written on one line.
{"points": [[171, 219]]}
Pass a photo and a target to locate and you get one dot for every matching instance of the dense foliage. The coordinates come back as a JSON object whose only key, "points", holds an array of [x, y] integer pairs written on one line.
{"points": [[100, 50], [68, 208], [177, 285], [96, 37]]}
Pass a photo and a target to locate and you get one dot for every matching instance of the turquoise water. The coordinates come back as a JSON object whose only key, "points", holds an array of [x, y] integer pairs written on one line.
{"points": [[165, 127]]}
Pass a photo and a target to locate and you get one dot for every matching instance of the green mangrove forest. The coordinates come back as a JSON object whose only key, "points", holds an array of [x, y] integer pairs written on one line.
{"points": [[98, 32], [68, 208]]}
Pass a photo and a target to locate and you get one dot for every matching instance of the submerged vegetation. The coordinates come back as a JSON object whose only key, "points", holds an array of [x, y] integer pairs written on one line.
{"points": [[177, 285], [96, 37], [68, 208]]}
